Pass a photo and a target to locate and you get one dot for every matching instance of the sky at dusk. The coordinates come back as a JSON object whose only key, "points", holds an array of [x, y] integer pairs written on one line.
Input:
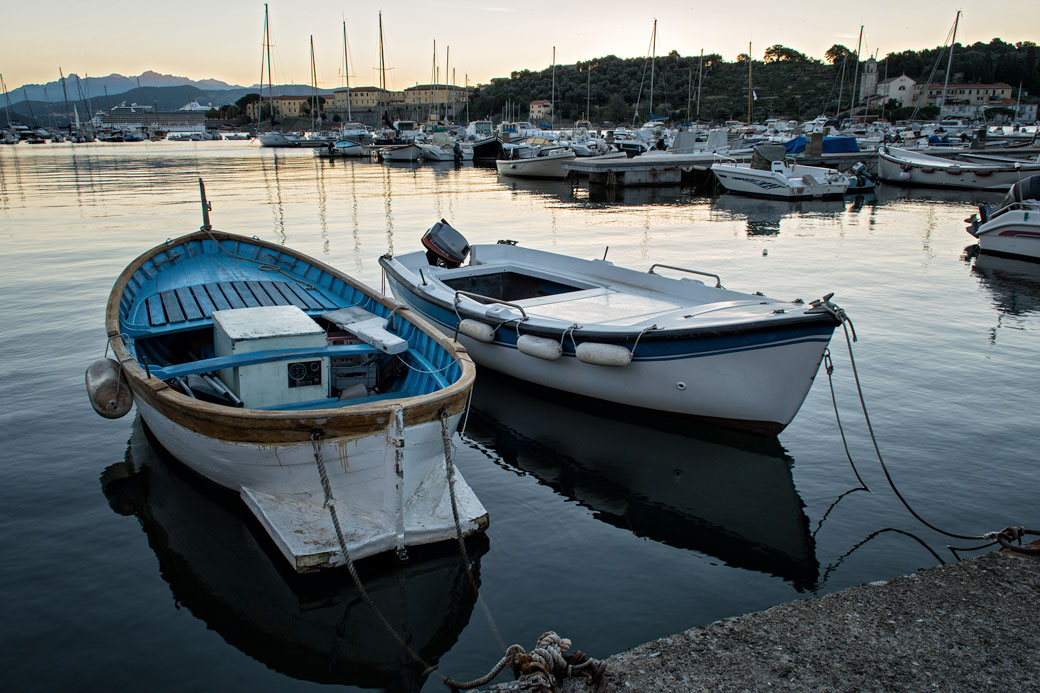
{"points": [[223, 40]]}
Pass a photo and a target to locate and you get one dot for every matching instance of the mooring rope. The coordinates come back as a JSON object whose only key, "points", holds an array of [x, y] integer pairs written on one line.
{"points": [[330, 503], [537, 670], [1004, 536], [541, 668]]}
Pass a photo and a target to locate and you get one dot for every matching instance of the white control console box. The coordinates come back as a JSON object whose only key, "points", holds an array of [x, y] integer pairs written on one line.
{"points": [[249, 330]]}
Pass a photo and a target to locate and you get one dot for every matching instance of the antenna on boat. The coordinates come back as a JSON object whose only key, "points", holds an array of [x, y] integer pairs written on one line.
{"points": [[206, 207]]}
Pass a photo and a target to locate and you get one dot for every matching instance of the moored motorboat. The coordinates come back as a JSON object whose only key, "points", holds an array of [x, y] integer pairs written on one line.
{"points": [[914, 168], [770, 175], [547, 162], [285, 380], [674, 346], [400, 152], [1012, 227]]}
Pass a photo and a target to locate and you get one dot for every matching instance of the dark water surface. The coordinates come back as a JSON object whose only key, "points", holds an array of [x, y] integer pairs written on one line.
{"points": [[122, 572]]}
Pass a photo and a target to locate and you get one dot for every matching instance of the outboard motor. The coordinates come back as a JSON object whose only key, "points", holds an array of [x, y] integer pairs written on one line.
{"points": [[445, 247]]}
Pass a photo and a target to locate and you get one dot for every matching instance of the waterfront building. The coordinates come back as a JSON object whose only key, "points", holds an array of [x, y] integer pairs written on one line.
{"points": [[542, 108], [284, 106]]}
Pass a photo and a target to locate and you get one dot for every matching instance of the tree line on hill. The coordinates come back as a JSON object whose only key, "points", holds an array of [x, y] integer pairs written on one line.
{"points": [[784, 83]]}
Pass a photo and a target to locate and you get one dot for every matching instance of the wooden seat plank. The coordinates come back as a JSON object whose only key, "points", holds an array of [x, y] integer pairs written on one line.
{"points": [[231, 295], [276, 294], [217, 296], [299, 291], [156, 314], [245, 294], [287, 294], [172, 306], [188, 305], [260, 294], [203, 299]]}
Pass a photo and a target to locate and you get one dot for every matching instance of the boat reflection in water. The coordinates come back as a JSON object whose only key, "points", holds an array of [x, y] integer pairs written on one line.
{"points": [[1013, 284], [764, 215], [221, 565], [731, 496]]}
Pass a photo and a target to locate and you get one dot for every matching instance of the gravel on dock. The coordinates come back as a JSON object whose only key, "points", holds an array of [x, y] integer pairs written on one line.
{"points": [[970, 625]]}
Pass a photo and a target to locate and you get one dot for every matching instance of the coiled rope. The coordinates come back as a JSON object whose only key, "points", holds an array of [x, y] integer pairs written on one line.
{"points": [[1004, 537], [541, 669]]}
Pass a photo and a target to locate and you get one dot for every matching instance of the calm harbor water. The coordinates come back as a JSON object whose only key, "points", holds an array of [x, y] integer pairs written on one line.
{"points": [[124, 572]]}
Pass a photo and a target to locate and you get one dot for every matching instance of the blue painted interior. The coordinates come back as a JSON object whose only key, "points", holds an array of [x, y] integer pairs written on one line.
{"points": [[169, 302]]}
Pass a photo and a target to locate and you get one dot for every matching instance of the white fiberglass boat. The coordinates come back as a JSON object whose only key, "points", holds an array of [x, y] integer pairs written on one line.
{"points": [[546, 162], [980, 173], [769, 175], [1012, 227], [674, 346]]}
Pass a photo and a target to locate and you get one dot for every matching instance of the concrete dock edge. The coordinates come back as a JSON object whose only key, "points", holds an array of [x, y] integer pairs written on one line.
{"points": [[969, 625]]}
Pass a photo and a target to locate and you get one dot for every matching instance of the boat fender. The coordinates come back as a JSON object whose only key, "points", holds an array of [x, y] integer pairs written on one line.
{"points": [[603, 354], [540, 347], [904, 175], [107, 388], [480, 331]]}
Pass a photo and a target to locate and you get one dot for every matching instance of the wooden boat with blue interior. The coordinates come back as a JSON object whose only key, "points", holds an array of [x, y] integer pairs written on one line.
{"points": [[280, 377]]}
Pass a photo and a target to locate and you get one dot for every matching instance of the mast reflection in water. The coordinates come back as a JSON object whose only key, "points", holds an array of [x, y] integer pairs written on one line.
{"points": [[221, 566], [731, 497]]}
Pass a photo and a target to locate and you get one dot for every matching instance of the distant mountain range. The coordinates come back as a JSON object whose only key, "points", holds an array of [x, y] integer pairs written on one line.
{"points": [[96, 87]]}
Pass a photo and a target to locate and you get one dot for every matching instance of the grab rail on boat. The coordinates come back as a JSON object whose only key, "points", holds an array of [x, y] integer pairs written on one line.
{"points": [[718, 280], [481, 297]]}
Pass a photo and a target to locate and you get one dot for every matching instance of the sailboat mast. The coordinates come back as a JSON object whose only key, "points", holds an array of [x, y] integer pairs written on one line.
{"points": [[855, 75], [314, 88], [447, 64], [552, 102], [750, 88], [7, 98], [346, 69], [653, 56], [700, 79], [382, 62], [270, 83], [65, 93], [949, 62], [588, 92]]}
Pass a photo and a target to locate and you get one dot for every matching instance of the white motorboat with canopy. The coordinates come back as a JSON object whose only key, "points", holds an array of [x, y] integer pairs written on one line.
{"points": [[673, 346]]}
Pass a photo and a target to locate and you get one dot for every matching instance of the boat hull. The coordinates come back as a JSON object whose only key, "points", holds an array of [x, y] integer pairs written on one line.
{"points": [[378, 510], [550, 167], [1012, 233], [942, 173], [744, 180], [384, 457], [755, 380]]}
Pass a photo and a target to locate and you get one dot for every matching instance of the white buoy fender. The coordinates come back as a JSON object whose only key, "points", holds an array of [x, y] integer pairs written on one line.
{"points": [[603, 354], [480, 331], [904, 175], [109, 394], [541, 347]]}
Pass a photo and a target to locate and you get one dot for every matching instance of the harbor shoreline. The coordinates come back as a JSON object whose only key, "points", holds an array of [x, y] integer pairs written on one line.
{"points": [[960, 626]]}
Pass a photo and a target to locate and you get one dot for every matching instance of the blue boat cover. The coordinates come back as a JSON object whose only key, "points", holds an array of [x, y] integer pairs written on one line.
{"points": [[831, 145]]}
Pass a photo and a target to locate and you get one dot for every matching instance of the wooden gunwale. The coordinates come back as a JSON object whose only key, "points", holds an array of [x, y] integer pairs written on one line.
{"points": [[284, 427]]}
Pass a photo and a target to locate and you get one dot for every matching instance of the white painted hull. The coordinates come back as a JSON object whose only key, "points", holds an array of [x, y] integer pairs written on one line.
{"points": [[745, 180], [715, 386], [536, 166], [1015, 232], [945, 173], [408, 152], [377, 510]]}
